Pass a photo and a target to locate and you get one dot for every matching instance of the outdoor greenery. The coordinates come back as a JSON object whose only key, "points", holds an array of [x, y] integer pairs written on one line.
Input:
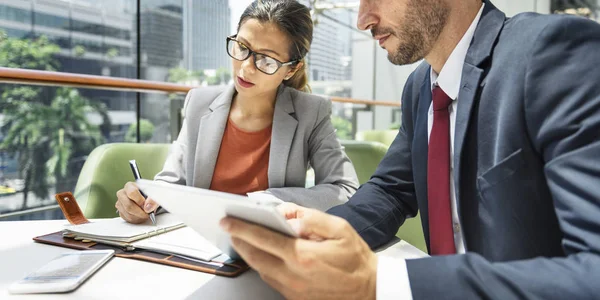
{"points": [[184, 76], [146, 132], [46, 129], [222, 76], [343, 128]]}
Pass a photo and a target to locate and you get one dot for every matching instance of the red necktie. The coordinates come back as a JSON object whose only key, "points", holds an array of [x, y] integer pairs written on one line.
{"points": [[441, 236]]}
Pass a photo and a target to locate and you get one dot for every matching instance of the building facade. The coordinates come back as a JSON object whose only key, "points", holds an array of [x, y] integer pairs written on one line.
{"points": [[207, 25]]}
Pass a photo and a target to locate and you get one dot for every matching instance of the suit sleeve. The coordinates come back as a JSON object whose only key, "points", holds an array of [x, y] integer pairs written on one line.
{"points": [[173, 170], [335, 177], [562, 107], [382, 204]]}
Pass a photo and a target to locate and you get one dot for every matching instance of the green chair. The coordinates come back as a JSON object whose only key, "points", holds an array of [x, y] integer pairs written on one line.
{"points": [[106, 170], [385, 137], [365, 157]]}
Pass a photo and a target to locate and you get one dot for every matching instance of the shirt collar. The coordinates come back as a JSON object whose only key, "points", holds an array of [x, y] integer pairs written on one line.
{"points": [[450, 77]]}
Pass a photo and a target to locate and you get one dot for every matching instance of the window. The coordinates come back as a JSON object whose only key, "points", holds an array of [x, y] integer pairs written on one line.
{"points": [[52, 21], [15, 14]]}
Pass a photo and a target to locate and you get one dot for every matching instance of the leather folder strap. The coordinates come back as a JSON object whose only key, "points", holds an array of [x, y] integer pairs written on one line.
{"points": [[70, 208]]}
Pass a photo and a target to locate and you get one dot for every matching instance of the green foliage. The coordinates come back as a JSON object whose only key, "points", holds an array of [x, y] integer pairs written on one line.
{"points": [[222, 76], [146, 132], [46, 137], [112, 53], [44, 128], [28, 54], [79, 50], [343, 127], [182, 75]]}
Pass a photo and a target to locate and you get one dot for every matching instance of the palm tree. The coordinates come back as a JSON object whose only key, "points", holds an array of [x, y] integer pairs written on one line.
{"points": [[71, 134], [46, 137], [23, 136], [45, 128]]}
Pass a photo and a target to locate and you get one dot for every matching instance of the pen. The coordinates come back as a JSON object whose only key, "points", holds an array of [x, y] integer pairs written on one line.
{"points": [[136, 175]]}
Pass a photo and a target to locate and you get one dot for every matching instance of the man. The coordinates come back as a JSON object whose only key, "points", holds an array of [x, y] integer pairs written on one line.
{"points": [[499, 149]]}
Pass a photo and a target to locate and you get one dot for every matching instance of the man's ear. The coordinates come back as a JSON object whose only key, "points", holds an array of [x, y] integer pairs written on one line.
{"points": [[293, 71]]}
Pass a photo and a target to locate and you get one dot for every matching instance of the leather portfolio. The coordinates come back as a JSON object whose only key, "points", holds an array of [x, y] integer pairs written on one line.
{"points": [[73, 214]]}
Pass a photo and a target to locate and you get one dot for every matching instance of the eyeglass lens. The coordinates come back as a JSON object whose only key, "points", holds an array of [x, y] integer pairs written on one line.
{"points": [[264, 63]]}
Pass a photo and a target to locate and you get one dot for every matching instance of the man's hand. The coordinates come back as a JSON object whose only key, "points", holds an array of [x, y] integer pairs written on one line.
{"points": [[334, 264], [132, 206]]}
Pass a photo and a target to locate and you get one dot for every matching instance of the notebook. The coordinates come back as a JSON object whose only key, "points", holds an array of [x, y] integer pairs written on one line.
{"points": [[184, 242], [169, 243], [169, 236]]}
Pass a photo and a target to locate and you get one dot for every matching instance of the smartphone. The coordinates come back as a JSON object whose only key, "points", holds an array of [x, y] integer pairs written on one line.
{"points": [[62, 274]]}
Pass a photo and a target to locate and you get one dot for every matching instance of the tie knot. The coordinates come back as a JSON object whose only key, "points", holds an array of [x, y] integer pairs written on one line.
{"points": [[441, 101]]}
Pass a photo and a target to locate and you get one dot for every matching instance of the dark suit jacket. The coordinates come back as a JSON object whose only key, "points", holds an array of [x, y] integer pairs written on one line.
{"points": [[527, 163]]}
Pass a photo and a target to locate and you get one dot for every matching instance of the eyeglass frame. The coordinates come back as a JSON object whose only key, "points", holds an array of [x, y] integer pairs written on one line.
{"points": [[254, 53]]}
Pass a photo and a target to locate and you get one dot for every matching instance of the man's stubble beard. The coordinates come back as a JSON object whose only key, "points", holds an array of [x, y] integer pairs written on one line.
{"points": [[423, 23]]}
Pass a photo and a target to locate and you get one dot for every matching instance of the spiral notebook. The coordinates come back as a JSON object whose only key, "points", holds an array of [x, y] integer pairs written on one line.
{"points": [[169, 243], [118, 230]]}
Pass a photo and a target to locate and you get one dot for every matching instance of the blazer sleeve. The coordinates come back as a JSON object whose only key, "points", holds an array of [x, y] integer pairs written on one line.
{"points": [[383, 203], [335, 177], [562, 107], [173, 170]]}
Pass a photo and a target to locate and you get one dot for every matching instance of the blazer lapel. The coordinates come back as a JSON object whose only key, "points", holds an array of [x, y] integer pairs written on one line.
{"points": [[420, 148], [210, 134], [488, 29], [284, 129]]}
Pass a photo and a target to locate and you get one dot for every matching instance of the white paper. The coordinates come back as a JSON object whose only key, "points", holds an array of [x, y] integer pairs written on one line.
{"points": [[119, 230], [184, 241]]}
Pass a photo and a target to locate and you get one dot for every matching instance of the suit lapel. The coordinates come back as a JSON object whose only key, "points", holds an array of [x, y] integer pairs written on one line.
{"points": [[284, 129], [210, 134], [420, 147], [484, 40]]}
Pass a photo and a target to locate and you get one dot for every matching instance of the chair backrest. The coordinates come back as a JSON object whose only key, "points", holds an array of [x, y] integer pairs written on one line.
{"points": [[106, 170], [385, 137], [365, 157]]}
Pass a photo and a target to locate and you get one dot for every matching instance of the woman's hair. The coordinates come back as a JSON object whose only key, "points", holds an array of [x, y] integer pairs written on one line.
{"points": [[293, 19]]}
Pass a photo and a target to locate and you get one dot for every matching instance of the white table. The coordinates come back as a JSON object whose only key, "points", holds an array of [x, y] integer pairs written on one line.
{"points": [[123, 278]]}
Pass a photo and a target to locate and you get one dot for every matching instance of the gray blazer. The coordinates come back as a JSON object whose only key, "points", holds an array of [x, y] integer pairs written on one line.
{"points": [[302, 135]]}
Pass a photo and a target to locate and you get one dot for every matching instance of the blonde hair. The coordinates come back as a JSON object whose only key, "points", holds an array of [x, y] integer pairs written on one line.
{"points": [[293, 19]]}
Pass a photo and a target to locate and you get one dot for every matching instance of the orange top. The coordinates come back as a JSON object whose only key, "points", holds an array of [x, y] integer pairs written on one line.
{"points": [[243, 161]]}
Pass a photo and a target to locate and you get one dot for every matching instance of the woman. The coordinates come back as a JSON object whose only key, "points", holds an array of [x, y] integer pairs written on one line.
{"points": [[262, 132]]}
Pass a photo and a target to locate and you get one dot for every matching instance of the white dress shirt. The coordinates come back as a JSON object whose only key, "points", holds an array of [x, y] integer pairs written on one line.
{"points": [[392, 283]]}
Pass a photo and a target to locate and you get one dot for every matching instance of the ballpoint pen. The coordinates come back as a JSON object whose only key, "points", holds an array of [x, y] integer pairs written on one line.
{"points": [[136, 175]]}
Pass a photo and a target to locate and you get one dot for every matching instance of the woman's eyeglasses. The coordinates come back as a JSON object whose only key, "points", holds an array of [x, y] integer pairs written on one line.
{"points": [[266, 64]]}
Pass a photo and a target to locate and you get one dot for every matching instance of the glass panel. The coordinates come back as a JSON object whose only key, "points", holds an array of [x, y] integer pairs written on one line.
{"points": [[46, 133], [161, 49], [182, 41], [52, 21], [15, 14]]}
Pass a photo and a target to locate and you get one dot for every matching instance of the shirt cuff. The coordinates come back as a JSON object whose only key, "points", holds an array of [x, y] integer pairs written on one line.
{"points": [[392, 279]]}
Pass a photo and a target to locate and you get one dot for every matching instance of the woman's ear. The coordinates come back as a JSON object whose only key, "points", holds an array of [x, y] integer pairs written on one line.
{"points": [[293, 71]]}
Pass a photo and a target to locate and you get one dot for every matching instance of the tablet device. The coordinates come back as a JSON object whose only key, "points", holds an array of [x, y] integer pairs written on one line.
{"points": [[202, 209], [62, 274]]}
